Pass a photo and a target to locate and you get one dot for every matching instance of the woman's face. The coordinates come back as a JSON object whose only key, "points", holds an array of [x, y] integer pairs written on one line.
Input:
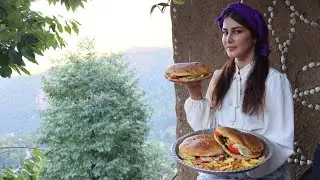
{"points": [[236, 39]]}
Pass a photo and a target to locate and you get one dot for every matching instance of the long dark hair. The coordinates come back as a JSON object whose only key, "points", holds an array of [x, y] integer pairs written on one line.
{"points": [[254, 94]]}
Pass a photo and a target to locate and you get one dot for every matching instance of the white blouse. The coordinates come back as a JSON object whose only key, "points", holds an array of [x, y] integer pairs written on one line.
{"points": [[276, 123]]}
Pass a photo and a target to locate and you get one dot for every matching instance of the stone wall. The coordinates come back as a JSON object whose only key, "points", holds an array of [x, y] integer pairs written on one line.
{"points": [[294, 40]]}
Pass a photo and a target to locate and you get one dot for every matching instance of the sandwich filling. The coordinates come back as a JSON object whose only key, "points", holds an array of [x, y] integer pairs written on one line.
{"points": [[187, 77], [202, 159], [236, 149]]}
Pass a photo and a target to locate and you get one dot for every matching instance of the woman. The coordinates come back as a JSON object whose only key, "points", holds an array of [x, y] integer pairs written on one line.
{"points": [[246, 93]]}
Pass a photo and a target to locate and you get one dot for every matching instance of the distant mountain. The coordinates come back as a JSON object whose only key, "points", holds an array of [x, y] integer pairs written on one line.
{"points": [[21, 97], [19, 113], [151, 64]]}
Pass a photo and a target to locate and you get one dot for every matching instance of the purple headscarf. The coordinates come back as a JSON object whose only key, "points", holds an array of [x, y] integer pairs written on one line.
{"points": [[255, 22]]}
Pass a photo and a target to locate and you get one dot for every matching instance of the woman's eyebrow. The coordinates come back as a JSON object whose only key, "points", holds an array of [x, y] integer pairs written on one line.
{"points": [[237, 27]]}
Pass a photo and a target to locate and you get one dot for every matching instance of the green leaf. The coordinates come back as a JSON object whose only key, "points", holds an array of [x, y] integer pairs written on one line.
{"points": [[36, 152], [60, 28], [49, 20], [67, 28], [37, 158], [73, 7], [50, 41], [4, 59], [179, 2], [29, 54], [75, 27], [5, 71], [67, 6], [77, 22], [16, 57], [36, 50], [30, 21], [14, 67], [20, 177], [28, 39], [24, 70], [60, 40], [81, 4], [53, 27]]}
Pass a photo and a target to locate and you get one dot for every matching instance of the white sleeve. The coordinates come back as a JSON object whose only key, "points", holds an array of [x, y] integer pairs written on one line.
{"points": [[279, 116], [198, 112], [279, 121]]}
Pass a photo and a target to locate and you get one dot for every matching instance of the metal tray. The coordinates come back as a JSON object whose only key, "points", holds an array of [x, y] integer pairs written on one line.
{"points": [[267, 153]]}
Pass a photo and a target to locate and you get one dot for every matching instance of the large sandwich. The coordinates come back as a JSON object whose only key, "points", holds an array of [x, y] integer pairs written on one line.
{"points": [[188, 72], [201, 148], [238, 144]]}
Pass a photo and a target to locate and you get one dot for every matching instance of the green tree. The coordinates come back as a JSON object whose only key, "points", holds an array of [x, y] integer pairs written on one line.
{"points": [[30, 168], [13, 149], [158, 164], [96, 124], [25, 33]]}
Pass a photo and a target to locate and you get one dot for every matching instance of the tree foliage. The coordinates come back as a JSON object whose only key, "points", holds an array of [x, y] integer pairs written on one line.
{"points": [[158, 164], [97, 121], [29, 170], [13, 149], [25, 33]]}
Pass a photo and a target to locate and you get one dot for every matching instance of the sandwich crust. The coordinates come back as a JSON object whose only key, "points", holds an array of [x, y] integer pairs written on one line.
{"points": [[253, 143], [189, 78], [188, 72], [201, 145]]}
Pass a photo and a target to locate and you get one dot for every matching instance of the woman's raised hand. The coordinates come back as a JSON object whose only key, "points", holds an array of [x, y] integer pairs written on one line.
{"points": [[195, 89]]}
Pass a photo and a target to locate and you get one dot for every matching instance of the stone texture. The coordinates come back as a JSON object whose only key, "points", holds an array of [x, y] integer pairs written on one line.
{"points": [[196, 35]]}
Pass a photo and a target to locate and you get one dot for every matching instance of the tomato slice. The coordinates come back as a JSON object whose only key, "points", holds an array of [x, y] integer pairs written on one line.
{"points": [[255, 153], [233, 150], [217, 133], [174, 77]]}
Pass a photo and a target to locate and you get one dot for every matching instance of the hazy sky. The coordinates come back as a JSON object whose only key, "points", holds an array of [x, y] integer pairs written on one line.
{"points": [[115, 25]]}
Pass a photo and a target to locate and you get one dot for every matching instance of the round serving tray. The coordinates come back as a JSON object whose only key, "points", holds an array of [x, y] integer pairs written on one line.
{"points": [[267, 153]]}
